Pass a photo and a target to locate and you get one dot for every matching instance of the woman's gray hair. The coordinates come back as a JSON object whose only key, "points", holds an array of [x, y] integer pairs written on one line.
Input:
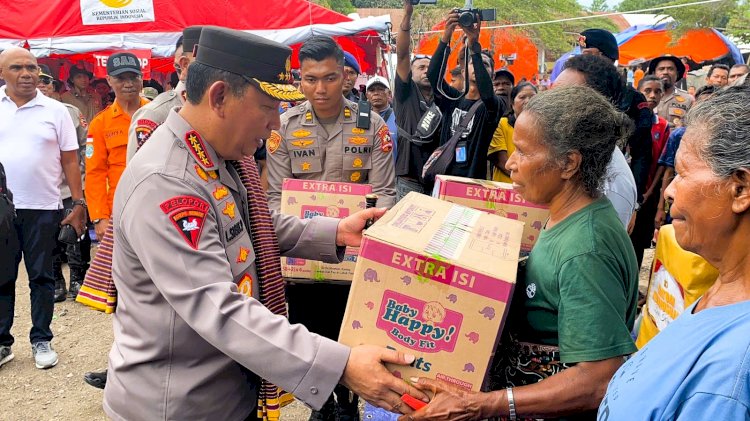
{"points": [[577, 118], [725, 118]]}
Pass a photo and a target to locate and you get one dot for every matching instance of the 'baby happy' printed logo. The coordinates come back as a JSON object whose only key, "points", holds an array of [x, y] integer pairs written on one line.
{"points": [[419, 325]]}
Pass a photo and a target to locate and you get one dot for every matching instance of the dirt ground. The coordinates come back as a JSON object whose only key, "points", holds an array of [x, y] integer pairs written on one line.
{"points": [[82, 339]]}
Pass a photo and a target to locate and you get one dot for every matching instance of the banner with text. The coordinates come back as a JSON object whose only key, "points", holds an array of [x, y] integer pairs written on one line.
{"points": [[104, 12]]}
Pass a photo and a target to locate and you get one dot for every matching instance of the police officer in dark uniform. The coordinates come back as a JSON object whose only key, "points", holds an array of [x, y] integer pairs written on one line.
{"points": [[633, 103]]}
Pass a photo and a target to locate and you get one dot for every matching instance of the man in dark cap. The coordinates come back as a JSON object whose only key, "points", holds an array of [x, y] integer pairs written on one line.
{"points": [[600, 42], [351, 73], [675, 103], [107, 142], [196, 263], [153, 114], [81, 95]]}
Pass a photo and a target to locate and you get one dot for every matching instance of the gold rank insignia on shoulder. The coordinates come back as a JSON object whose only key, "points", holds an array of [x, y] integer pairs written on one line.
{"points": [[195, 143], [308, 117], [273, 142], [356, 176], [201, 173], [357, 130], [301, 133], [302, 143], [347, 112]]}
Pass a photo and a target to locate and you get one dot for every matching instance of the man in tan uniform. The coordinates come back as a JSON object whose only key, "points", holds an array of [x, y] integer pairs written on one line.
{"points": [[191, 338], [319, 139], [81, 95], [153, 114], [675, 103]]}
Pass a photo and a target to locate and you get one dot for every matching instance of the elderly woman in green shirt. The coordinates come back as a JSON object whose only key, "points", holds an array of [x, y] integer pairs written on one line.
{"points": [[573, 311]]}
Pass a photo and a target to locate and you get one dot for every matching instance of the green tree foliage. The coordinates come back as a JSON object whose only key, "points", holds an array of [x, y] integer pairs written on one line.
{"points": [[342, 6], [599, 6], [377, 4], [739, 22]]}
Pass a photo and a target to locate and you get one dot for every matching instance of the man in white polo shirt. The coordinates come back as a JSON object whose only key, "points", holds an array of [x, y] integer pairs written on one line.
{"points": [[37, 145]]}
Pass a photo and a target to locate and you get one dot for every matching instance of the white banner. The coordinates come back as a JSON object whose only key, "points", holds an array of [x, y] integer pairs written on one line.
{"points": [[103, 12]]}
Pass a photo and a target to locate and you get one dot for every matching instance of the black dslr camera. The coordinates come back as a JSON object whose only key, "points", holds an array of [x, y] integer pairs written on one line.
{"points": [[468, 16]]}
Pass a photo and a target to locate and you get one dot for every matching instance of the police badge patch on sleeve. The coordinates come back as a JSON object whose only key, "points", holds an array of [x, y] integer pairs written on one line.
{"points": [[143, 130], [187, 214], [386, 143]]}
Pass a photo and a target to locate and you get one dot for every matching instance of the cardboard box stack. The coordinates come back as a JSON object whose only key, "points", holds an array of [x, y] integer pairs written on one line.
{"points": [[434, 279], [494, 197], [307, 199]]}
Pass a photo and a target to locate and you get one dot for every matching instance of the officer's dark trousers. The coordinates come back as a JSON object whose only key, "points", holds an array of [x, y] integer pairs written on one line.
{"points": [[35, 241]]}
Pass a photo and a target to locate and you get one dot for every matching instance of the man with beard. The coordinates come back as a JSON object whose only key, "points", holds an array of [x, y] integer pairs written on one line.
{"points": [[108, 138], [675, 103], [600, 42], [412, 96]]}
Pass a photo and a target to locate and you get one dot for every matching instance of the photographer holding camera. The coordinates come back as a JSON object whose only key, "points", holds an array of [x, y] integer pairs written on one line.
{"points": [[468, 120]]}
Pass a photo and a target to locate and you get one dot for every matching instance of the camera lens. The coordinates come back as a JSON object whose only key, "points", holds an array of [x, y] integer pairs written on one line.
{"points": [[466, 18]]}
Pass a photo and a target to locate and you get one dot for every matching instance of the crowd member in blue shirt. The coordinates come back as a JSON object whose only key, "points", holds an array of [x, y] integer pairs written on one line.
{"points": [[378, 92], [698, 368]]}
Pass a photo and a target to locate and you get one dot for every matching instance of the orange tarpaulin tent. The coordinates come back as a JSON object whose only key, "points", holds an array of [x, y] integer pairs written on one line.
{"points": [[699, 45], [502, 42]]}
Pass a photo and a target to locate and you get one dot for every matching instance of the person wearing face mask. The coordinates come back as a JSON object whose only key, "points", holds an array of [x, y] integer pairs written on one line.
{"points": [[502, 141]]}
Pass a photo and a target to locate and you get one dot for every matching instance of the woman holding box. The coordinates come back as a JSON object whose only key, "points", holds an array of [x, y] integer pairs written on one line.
{"points": [[573, 311]]}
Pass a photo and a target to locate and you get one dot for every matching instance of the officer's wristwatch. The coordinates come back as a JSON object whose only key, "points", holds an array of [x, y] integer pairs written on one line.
{"points": [[80, 202]]}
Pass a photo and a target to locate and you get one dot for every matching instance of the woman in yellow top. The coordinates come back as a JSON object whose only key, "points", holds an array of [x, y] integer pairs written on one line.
{"points": [[502, 141]]}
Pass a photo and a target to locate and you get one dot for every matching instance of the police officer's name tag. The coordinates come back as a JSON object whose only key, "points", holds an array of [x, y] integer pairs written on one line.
{"points": [[461, 152]]}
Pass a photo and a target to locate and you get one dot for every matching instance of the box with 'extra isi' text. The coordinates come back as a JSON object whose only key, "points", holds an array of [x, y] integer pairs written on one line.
{"points": [[307, 199], [434, 279]]}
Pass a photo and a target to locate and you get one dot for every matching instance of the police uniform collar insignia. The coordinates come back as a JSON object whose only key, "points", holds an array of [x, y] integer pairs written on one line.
{"points": [[197, 148], [347, 112], [309, 117]]}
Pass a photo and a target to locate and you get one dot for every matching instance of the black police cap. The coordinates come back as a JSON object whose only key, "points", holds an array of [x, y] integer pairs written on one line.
{"points": [[264, 63], [602, 40], [190, 37]]}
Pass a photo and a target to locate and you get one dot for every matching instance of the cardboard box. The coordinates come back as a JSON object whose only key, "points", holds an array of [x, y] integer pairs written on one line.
{"points": [[497, 198], [434, 279], [307, 199]]}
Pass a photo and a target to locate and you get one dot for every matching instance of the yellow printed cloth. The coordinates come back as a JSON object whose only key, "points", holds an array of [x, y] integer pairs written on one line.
{"points": [[678, 279]]}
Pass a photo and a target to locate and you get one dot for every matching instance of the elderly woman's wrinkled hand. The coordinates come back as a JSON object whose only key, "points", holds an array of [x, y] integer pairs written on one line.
{"points": [[449, 403]]}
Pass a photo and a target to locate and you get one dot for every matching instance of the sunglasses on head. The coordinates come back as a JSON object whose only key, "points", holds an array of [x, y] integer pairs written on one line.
{"points": [[420, 57], [45, 80]]}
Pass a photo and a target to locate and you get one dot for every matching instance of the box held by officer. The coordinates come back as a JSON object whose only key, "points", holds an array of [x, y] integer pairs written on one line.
{"points": [[496, 198], [309, 198], [434, 279]]}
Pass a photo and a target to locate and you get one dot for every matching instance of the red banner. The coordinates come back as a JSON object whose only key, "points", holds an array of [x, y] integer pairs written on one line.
{"points": [[101, 57]]}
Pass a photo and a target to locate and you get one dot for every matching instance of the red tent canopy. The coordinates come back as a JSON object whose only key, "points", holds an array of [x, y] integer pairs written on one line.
{"points": [[57, 27]]}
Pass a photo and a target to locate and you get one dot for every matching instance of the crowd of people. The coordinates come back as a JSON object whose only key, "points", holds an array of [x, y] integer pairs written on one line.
{"points": [[184, 191]]}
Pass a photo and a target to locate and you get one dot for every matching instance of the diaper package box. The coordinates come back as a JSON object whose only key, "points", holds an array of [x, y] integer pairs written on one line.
{"points": [[434, 279], [307, 199], [494, 197]]}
